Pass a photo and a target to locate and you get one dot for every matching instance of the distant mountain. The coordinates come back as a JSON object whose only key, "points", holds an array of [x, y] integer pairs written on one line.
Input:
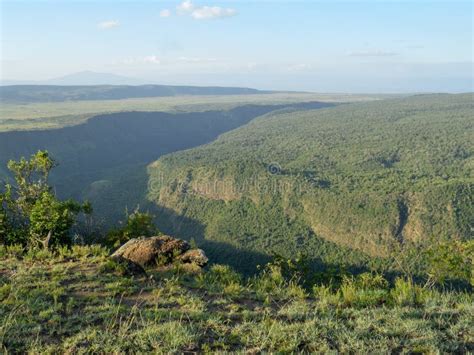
{"points": [[93, 78], [56, 93], [81, 78]]}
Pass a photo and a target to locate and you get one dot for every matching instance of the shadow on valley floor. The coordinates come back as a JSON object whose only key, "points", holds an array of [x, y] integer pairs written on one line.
{"points": [[104, 159]]}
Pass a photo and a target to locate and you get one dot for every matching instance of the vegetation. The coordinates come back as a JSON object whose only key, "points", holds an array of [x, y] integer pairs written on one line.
{"points": [[137, 224], [58, 296], [76, 301], [30, 213], [380, 177], [102, 159]]}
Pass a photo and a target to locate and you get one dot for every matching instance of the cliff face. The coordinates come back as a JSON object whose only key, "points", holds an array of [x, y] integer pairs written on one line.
{"points": [[362, 176]]}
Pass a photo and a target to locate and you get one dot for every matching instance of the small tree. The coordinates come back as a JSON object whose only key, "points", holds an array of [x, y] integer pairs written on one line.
{"points": [[453, 260], [29, 211], [137, 224]]}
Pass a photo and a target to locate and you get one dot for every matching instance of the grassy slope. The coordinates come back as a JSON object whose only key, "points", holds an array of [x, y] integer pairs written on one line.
{"points": [[362, 175], [76, 302], [48, 115]]}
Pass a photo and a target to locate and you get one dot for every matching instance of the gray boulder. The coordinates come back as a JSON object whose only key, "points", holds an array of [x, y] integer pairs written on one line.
{"points": [[195, 256], [128, 267], [151, 251]]}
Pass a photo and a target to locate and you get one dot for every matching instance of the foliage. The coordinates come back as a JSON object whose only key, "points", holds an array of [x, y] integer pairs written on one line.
{"points": [[29, 212], [137, 224], [450, 261], [407, 293], [363, 176]]}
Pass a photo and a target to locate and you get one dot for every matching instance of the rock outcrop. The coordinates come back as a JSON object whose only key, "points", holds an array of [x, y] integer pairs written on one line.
{"points": [[128, 267], [160, 250], [195, 256]]}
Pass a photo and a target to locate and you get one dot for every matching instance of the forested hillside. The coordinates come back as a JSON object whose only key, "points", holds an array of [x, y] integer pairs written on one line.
{"points": [[366, 176]]}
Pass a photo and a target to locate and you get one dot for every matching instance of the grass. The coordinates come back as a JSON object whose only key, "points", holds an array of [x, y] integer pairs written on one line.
{"points": [[75, 301], [50, 115]]}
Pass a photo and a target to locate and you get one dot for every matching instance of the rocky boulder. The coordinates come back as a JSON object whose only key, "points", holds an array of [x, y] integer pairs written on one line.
{"points": [[195, 256], [128, 267], [160, 250]]}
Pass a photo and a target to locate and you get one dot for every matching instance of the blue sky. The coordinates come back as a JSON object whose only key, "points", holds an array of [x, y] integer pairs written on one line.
{"points": [[332, 46]]}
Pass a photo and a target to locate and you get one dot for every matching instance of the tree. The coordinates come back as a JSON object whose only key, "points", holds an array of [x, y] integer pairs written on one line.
{"points": [[30, 213], [453, 260], [138, 224]]}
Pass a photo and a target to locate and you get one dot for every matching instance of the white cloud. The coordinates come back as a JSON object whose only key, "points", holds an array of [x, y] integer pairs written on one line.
{"points": [[165, 13], [212, 12], [204, 12], [372, 53], [185, 7], [107, 25]]}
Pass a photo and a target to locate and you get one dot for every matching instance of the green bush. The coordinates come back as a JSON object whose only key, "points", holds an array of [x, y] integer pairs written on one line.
{"points": [[451, 261], [221, 279], [407, 293], [137, 224], [364, 290], [30, 214]]}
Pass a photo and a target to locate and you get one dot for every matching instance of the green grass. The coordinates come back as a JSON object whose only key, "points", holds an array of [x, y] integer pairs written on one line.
{"points": [[49, 115], [77, 301]]}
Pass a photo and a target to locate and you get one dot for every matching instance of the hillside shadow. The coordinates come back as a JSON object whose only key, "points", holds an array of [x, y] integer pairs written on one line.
{"points": [[243, 260]]}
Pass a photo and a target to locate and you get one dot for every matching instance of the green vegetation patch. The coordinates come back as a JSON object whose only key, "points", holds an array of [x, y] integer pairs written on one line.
{"points": [[71, 300]]}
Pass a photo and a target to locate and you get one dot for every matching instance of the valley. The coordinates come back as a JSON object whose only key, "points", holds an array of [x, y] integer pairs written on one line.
{"points": [[366, 176], [104, 159], [248, 177], [351, 179]]}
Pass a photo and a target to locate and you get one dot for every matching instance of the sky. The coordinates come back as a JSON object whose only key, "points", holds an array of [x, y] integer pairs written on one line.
{"points": [[322, 46]]}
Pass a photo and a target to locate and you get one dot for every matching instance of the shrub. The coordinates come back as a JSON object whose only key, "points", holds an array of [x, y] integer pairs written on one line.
{"points": [[451, 261], [295, 269], [137, 224], [30, 214], [221, 279], [407, 293], [364, 290], [325, 295], [271, 283]]}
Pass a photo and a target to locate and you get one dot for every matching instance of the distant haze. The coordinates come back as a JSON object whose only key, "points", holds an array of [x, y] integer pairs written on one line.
{"points": [[322, 46]]}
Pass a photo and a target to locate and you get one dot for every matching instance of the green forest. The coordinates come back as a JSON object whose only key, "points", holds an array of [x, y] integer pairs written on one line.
{"points": [[365, 176]]}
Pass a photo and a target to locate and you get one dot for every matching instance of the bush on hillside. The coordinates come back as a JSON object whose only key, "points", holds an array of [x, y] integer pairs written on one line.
{"points": [[30, 213], [137, 224]]}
